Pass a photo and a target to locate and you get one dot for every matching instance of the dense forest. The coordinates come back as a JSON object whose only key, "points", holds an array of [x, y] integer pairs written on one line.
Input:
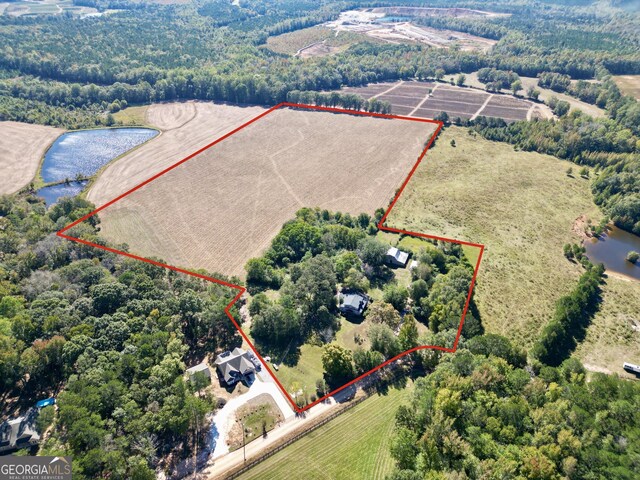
{"points": [[108, 336], [482, 414], [211, 50]]}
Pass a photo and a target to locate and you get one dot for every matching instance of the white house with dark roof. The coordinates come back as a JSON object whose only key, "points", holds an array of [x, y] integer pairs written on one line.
{"points": [[235, 366], [396, 258], [19, 432]]}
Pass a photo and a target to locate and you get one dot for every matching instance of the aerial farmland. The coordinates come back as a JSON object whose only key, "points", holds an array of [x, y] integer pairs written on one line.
{"points": [[22, 145], [288, 160], [430, 99]]}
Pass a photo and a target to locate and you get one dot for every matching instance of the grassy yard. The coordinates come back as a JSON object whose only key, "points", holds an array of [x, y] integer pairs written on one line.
{"points": [[521, 205], [354, 446], [305, 374], [258, 416]]}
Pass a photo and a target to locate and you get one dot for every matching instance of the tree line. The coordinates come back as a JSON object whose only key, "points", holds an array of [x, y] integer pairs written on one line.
{"points": [[113, 334]]}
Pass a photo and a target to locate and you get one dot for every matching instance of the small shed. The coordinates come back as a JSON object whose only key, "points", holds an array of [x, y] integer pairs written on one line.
{"points": [[200, 368], [396, 258]]}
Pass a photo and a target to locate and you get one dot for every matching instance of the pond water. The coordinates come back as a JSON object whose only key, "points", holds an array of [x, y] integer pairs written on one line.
{"points": [[85, 152], [53, 193], [612, 248]]}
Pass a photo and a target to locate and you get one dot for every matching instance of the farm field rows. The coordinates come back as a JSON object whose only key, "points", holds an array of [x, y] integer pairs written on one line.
{"points": [[187, 127], [354, 446], [225, 205], [429, 99], [22, 146]]}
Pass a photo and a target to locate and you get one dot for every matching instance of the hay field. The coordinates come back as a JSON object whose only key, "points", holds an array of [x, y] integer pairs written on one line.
{"points": [[22, 146], [521, 205], [614, 337], [186, 127], [629, 84], [225, 205]]}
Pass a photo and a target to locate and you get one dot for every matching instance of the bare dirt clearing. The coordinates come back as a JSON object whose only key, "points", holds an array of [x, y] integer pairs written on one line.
{"points": [[383, 24], [22, 146], [437, 12], [188, 127], [225, 205]]}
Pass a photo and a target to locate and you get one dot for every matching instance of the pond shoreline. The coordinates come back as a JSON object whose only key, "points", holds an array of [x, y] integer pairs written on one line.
{"points": [[76, 157]]}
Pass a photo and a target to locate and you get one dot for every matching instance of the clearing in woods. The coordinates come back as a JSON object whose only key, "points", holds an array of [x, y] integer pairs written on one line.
{"points": [[629, 84], [522, 206], [22, 146], [225, 204]]}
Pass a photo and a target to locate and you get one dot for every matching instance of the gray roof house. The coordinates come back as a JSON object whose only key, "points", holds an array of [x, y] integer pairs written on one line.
{"points": [[20, 432], [353, 303], [235, 365], [396, 258]]}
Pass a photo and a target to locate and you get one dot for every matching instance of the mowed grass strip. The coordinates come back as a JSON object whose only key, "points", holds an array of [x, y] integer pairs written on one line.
{"points": [[353, 446], [520, 205]]}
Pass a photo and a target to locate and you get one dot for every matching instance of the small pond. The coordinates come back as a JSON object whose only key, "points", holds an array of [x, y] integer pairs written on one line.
{"points": [[84, 153], [612, 248]]}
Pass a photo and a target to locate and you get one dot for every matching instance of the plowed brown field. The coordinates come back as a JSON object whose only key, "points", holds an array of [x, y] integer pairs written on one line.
{"points": [[22, 146], [225, 205]]}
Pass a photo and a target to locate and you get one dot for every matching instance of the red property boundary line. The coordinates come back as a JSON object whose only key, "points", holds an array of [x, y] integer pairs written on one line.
{"points": [[241, 290]]}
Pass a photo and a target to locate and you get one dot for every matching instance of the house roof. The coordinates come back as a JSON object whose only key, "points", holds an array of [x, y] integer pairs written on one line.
{"points": [[19, 431], [399, 255], [234, 363], [354, 301]]}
